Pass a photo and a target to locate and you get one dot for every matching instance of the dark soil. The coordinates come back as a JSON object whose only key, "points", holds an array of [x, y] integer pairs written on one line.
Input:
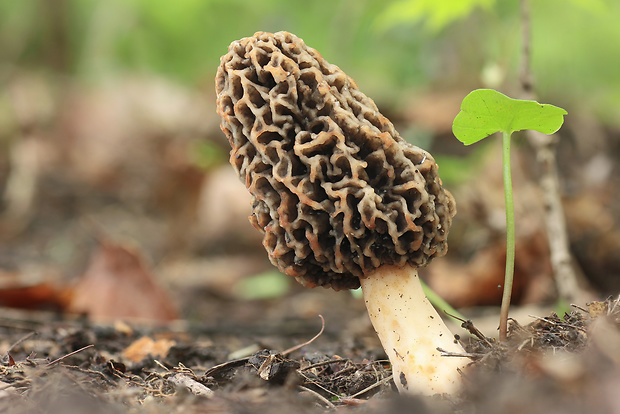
{"points": [[568, 364]]}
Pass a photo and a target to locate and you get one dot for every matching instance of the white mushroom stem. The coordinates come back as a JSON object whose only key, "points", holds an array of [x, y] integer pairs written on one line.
{"points": [[410, 331]]}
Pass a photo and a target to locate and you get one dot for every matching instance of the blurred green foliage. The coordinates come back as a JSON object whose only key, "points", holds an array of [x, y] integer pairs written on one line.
{"points": [[391, 47], [575, 54], [459, 170], [207, 154], [434, 14], [268, 285]]}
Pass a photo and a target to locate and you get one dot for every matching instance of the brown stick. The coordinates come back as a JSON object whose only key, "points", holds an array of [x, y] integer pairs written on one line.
{"points": [[296, 347], [564, 267], [68, 355]]}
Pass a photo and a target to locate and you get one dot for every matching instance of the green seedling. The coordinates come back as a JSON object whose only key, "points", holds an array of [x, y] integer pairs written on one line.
{"points": [[485, 112]]}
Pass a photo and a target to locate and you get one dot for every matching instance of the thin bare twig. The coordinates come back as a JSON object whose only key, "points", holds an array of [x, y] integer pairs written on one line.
{"points": [[241, 361], [612, 309], [226, 365], [20, 340], [317, 384], [470, 355], [317, 395], [552, 322], [68, 355], [352, 401], [295, 348], [322, 363], [471, 328], [91, 372], [573, 305], [373, 386], [160, 365]]}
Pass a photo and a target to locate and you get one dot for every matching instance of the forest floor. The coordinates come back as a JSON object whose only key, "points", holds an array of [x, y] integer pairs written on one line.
{"points": [[50, 364]]}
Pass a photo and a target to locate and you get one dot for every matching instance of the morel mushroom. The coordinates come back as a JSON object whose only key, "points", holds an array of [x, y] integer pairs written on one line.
{"points": [[341, 198]]}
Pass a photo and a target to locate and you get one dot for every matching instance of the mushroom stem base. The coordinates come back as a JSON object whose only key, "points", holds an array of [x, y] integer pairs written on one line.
{"points": [[411, 330]]}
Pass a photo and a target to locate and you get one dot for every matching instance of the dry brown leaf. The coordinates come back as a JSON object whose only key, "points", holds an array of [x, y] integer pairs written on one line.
{"points": [[37, 296], [118, 285], [145, 346], [478, 282], [596, 308], [16, 291]]}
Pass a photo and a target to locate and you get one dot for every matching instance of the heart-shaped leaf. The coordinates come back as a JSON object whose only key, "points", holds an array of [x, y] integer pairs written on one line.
{"points": [[486, 111]]}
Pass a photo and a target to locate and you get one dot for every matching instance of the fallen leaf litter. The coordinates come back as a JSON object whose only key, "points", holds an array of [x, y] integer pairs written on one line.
{"points": [[71, 364]]}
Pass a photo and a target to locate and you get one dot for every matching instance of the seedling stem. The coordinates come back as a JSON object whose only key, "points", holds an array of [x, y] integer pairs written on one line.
{"points": [[483, 113], [510, 237]]}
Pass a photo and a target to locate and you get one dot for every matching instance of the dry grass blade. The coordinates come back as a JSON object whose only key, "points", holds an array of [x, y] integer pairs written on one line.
{"points": [[69, 354], [317, 384], [328, 403], [373, 386], [297, 347], [322, 363], [21, 340]]}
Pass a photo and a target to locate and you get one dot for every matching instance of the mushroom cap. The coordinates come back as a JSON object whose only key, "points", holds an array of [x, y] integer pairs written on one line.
{"points": [[335, 189]]}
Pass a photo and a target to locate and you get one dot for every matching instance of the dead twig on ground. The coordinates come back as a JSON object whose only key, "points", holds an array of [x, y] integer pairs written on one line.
{"points": [[470, 355], [297, 347], [322, 363], [191, 384], [471, 328], [324, 400], [68, 355], [20, 340], [373, 386]]}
